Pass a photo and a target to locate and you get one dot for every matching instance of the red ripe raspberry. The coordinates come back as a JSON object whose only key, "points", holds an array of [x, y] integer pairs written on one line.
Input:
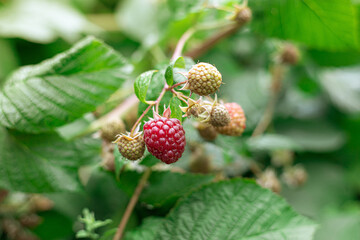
{"points": [[237, 123], [165, 139]]}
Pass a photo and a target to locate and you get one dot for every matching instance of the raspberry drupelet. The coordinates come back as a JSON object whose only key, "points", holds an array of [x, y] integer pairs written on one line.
{"points": [[165, 139]]}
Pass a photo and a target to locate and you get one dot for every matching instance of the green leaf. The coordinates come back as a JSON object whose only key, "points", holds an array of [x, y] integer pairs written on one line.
{"points": [[180, 63], [49, 226], [156, 85], [182, 8], [329, 25], [164, 187], [149, 160], [147, 230], [8, 61], [175, 108], [43, 163], [42, 21], [169, 73], [342, 225], [316, 136], [342, 86], [142, 83], [334, 59], [57, 91], [269, 142], [142, 20], [235, 209], [326, 186], [250, 92]]}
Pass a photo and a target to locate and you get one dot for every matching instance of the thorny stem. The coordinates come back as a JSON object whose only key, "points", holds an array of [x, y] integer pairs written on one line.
{"points": [[132, 203]]}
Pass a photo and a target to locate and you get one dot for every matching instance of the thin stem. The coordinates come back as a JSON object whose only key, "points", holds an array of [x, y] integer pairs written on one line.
{"points": [[188, 34], [3, 194], [156, 103], [267, 116], [132, 203], [277, 76], [178, 84], [178, 95], [117, 112], [180, 45], [140, 118], [160, 97], [212, 41]]}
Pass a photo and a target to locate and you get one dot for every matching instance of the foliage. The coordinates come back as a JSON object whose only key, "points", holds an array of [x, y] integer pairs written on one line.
{"points": [[91, 224], [61, 87]]}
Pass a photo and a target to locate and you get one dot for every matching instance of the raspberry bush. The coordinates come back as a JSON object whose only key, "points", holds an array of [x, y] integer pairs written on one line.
{"points": [[179, 119]]}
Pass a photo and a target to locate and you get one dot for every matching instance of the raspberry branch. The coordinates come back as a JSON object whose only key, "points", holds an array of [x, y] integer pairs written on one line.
{"points": [[242, 15], [190, 32], [132, 203], [276, 83], [176, 85]]}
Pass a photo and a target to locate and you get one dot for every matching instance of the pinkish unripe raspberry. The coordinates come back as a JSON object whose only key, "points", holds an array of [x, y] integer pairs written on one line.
{"points": [[268, 179], [203, 79], [237, 124], [219, 116], [131, 148], [206, 131], [294, 176], [165, 139]]}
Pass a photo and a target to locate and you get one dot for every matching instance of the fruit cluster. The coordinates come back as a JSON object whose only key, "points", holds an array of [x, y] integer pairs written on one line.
{"points": [[164, 137]]}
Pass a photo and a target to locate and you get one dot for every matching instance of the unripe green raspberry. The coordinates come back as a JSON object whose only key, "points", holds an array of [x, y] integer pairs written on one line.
{"points": [[206, 131], [112, 128], [219, 116], [237, 124], [203, 79], [131, 148]]}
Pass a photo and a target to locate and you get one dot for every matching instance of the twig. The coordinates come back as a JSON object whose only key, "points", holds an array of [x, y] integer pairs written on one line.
{"points": [[212, 41], [139, 119], [132, 203], [178, 95], [277, 77], [163, 91], [117, 112], [181, 43], [156, 103], [176, 85], [187, 35]]}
